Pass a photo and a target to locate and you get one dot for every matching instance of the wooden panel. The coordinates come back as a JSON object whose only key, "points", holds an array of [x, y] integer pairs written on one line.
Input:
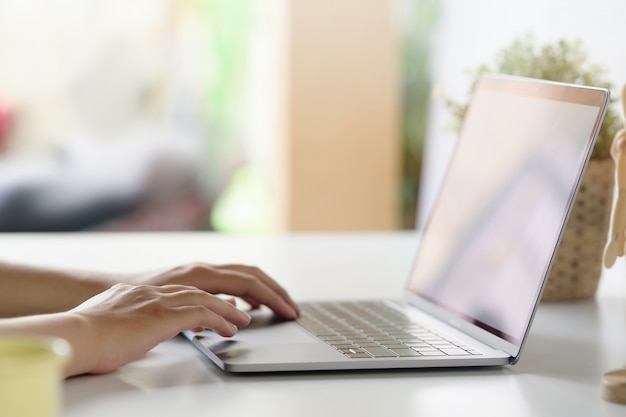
{"points": [[342, 116]]}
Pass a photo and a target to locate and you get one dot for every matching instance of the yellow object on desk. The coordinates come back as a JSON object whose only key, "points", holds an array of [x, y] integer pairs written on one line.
{"points": [[31, 375]]}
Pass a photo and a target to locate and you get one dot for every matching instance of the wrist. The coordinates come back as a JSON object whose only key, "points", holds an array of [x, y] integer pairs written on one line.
{"points": [[81, 335], [72, 327]]}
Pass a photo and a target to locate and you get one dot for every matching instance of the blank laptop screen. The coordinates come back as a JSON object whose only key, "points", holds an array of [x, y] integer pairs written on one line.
{"points": [[502, 205]]}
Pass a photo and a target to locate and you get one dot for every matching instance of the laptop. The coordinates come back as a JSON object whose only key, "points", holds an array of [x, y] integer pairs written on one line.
{"points": [[484, 255]]}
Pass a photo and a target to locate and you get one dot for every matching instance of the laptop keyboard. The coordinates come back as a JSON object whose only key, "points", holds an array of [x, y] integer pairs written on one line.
{"points": [[373, 329]]}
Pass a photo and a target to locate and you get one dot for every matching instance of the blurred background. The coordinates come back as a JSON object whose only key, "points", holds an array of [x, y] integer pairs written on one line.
{"points": [[249, 116]]}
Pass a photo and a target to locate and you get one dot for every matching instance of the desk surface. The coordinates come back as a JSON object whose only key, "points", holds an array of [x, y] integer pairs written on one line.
{"points": [[570, 346]]}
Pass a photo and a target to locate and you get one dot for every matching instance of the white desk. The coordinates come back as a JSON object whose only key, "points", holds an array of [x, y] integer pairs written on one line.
{"points": [[570, 347]]}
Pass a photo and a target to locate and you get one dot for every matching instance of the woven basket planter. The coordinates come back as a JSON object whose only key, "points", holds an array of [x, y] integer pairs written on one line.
{"points": [[578, 264]]}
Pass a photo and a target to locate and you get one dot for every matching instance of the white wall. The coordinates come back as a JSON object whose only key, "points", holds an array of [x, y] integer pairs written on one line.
{"points": [[471, 32]]}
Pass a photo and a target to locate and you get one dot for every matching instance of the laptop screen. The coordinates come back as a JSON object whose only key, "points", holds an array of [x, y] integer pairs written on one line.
{"points": [[493, 231]]}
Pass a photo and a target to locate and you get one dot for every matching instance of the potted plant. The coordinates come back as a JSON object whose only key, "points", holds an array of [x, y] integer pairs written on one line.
{"points": [[578, 264]]}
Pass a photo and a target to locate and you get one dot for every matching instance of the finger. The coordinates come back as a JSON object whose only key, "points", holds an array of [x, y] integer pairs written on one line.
{"points": [[267, 280], [178, 295], [252, 302], [199, 317], [251, 288], [255, 292], [256, 289]]}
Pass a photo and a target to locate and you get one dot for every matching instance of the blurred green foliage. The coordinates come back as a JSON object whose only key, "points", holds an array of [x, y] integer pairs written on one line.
{"points": [[228, 27], [420, 18]]}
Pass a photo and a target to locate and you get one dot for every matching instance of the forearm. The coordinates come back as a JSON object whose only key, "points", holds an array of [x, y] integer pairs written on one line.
{"points": [[69, 326], [27, 290]]}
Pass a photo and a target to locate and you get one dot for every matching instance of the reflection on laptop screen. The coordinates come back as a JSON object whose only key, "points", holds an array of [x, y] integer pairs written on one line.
{"points": [[491, 236]]}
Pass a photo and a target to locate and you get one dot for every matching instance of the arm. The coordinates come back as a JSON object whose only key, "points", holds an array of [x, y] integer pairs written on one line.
{"points": [[27, 290], [126, 321], [122, 322]]}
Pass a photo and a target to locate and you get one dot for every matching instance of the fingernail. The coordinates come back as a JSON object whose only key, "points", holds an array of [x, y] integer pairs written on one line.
{"points": [[246, 316], [292, 313], [233, 328]]}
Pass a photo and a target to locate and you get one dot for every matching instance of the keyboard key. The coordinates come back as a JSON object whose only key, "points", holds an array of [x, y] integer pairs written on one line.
{"points": [[333, 338], [443, 345], [368, 344], [455, 352], [429, 351], [394, 346], [359, 340], [340, 346], [382, 340], [418, 345], [432, 353], [379, 352], [350, 350], [405, 352]]}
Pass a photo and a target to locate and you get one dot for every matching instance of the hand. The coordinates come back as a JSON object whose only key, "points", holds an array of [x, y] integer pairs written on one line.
{"points": [[249, 283], [126, 321]]}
